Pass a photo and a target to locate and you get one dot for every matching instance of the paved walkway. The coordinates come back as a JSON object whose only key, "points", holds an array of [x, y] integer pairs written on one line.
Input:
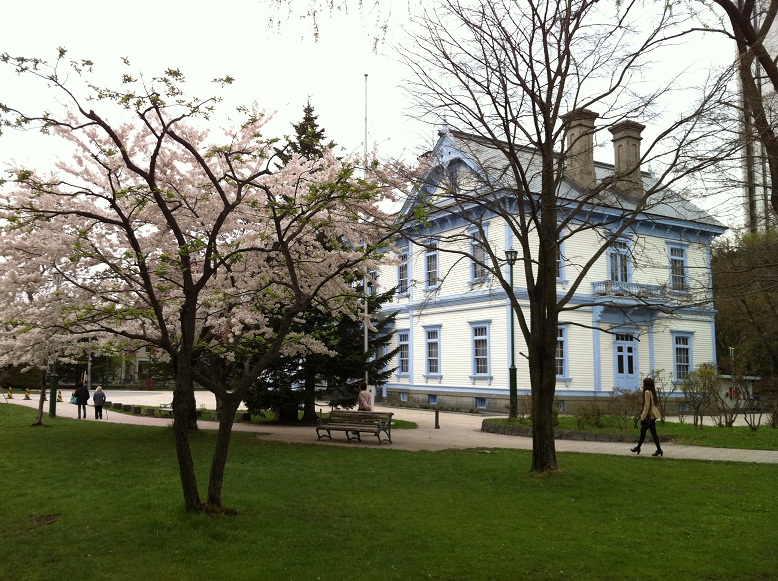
{"points": [[457, 431]]}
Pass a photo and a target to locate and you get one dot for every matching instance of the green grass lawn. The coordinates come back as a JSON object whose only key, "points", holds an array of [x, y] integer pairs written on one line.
{"points": [[765, 438], [90, 500]]}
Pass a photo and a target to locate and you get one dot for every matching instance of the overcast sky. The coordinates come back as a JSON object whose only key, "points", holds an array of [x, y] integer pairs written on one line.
{"points": [[280, 68]]}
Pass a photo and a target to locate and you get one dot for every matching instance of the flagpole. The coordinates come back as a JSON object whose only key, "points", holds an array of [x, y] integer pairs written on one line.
{"points": [[364, 282]]}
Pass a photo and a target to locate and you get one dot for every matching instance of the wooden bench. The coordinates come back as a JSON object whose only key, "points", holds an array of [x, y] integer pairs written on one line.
{"points": [[166, 408], [353, 423]]}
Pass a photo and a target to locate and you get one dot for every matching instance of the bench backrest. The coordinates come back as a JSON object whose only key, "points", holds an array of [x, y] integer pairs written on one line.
{"points": [[345, 417]]}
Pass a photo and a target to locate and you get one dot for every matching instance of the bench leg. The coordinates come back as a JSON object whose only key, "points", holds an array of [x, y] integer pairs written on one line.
{"points": [[388, 435], [320, 436], [356, 435]]}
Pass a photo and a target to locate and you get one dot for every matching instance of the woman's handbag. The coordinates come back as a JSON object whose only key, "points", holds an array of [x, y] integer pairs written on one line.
{"points": [[73, 399]]}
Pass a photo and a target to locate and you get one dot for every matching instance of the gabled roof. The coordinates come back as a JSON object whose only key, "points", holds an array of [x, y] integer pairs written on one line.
{"points": [[485, 159]]}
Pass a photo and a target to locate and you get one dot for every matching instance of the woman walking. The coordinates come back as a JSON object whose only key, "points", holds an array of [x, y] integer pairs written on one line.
{"points": [[649, 416], [82, 396]]}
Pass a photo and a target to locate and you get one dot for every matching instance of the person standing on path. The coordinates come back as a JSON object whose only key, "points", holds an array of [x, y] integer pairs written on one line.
{"points": [[99, 400], [649, 416], [365, 405], [82, 396]]}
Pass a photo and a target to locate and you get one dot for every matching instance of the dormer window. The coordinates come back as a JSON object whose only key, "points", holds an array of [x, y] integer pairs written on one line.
{"points": [[452, 176]]}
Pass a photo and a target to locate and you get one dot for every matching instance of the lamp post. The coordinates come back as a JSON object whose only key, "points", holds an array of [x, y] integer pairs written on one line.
{"points": [[89, 369], [510, 256], [53, 380]]}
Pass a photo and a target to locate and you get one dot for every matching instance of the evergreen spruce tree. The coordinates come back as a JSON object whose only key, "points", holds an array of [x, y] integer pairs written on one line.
{"points": [[296, 380], [309, 139]]}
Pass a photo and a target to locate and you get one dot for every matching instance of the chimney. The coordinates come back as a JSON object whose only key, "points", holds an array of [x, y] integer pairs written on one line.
{"points": [[580, 146], [626, 151]]}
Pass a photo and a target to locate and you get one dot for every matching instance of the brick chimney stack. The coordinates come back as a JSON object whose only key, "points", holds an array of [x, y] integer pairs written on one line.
{"points": [[626, 150], [580, 146]]}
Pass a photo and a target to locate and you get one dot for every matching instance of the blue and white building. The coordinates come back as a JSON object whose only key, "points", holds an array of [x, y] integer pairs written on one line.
{"points": [[644, 305]]}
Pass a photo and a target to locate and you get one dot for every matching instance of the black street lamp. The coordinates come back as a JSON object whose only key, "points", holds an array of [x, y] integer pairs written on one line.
{"points": [[53, 380], [511, 256]]}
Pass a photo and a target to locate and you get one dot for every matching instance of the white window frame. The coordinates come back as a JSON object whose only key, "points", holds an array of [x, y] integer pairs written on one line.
{"points": [[478, 270], [683, 260], [404, 268], [678, 345], [431, 276], [560, 262], [476, 327], [372, 282], [562, 344], [619, 260], [404, 344], [480, 403], [432, 337]]}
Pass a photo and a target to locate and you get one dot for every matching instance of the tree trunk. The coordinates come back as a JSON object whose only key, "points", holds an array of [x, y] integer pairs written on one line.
{"points": [[219, 460], [754, 102], [544, 318], [543, 389], [183, 410], [44, 380]]}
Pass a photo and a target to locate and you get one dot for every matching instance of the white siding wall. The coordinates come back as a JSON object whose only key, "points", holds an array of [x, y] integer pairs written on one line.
{"points": [[577, 250], [580, 354], [653, 264], [590, 355], [456, 345]]}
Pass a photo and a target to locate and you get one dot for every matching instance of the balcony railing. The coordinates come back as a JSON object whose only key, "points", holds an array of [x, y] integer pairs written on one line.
{"points": [[613, 288]]}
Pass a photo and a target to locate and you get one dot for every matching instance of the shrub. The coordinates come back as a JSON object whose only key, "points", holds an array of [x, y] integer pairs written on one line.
{"points": [[524, 411], [766, 393], [665, 388], [699, 387], [588, 413], [625, 405]]}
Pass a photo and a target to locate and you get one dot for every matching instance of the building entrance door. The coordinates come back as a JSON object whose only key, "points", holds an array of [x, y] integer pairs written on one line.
{"points": [[625, 365]]}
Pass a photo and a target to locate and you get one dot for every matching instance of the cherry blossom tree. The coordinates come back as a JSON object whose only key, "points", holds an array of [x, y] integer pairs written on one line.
{"points": [[28, 347], [164, 234]]}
